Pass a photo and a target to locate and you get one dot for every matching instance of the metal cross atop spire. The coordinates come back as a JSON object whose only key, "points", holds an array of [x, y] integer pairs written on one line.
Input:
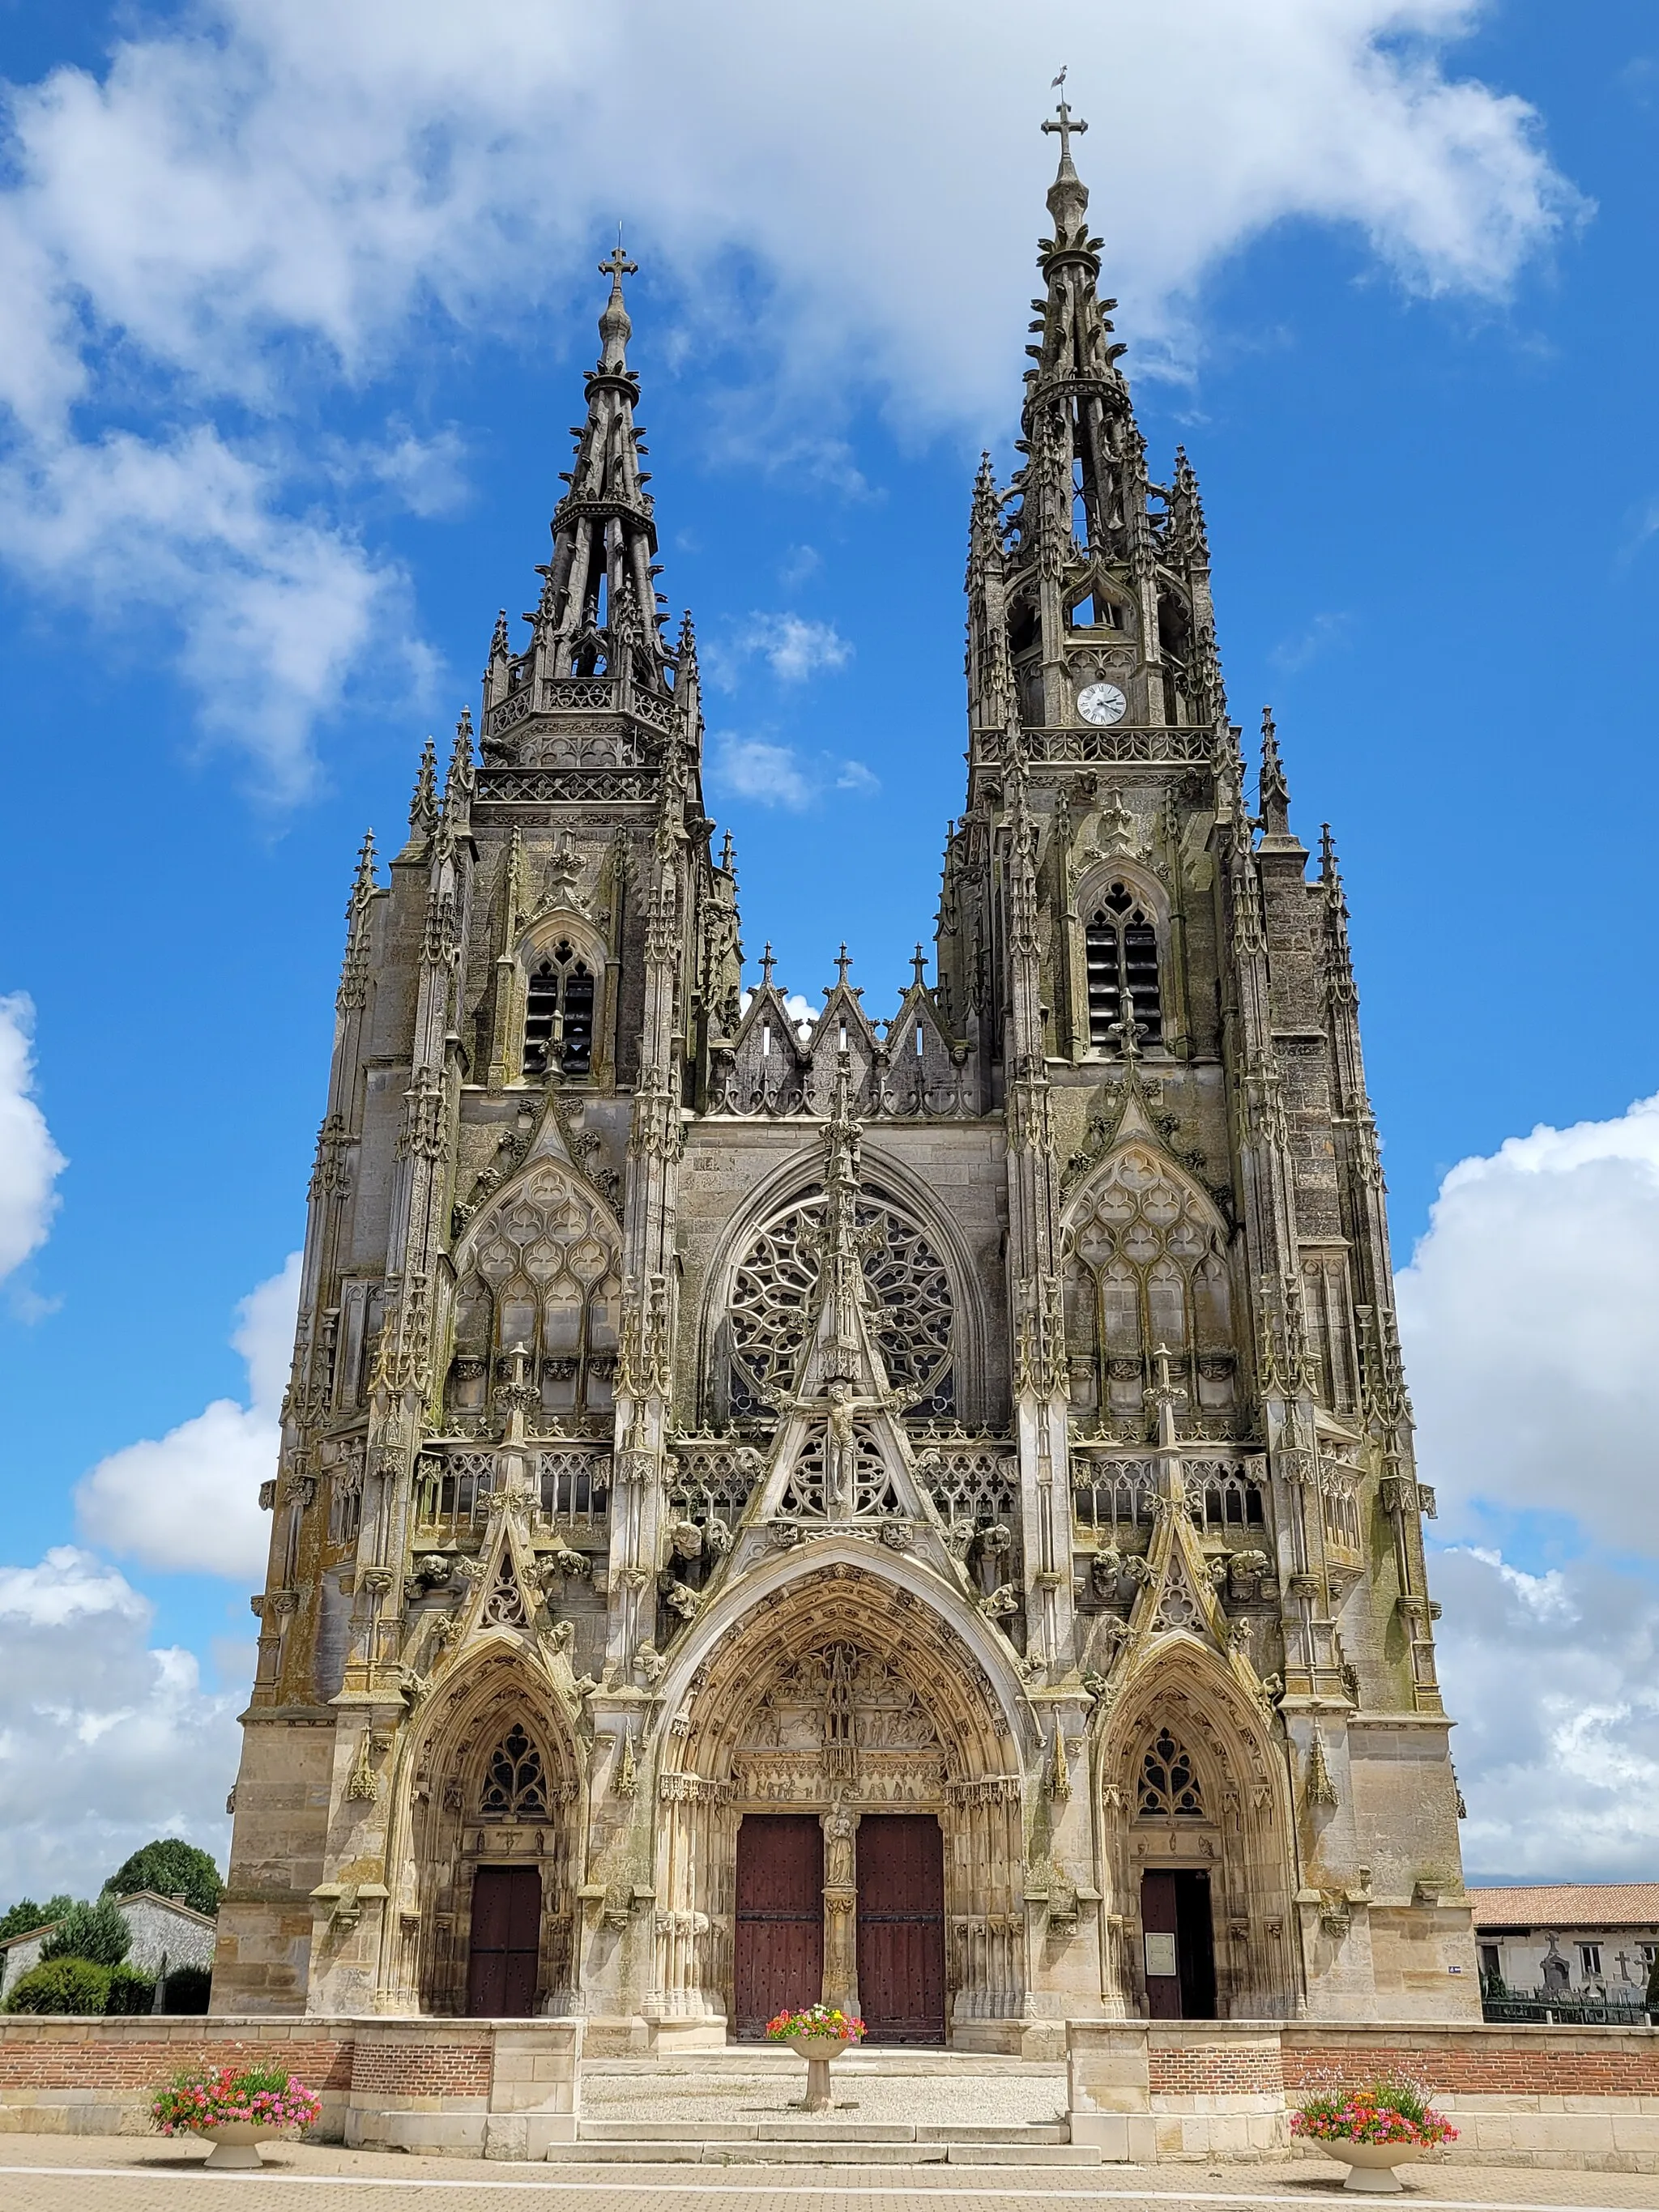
{"points": [[1065, 125]]}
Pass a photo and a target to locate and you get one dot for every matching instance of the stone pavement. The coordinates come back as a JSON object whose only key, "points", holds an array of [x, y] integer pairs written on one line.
{"points": [[130, 2173]]}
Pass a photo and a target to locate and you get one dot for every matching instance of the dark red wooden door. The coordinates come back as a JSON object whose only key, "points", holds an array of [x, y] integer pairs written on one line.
{"points": [[507, 1937], [779, 1926], [1179, 1946], [1158, 1935], [902, 1927]]}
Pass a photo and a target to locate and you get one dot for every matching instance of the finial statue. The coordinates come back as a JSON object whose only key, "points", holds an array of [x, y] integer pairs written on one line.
{"points": [[1128, 1026]]}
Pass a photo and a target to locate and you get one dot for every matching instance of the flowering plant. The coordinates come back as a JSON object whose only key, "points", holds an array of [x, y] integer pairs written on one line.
{"points": [[828, 2021], [212, 2097], [1393, 2109]]}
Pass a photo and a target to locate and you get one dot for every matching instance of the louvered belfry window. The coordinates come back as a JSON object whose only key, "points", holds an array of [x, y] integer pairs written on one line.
{"points": [[1121, 946], [558, 1029]]}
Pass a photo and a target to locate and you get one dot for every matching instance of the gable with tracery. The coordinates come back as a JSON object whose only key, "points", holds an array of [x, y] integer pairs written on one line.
{"points": [[536, 1300], [1146, 1265]]}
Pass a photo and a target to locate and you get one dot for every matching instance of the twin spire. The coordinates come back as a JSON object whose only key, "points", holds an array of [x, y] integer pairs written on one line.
{"points": [[599, 606]]}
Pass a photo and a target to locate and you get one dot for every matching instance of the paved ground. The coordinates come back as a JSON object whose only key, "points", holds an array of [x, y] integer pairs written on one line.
{"points": [[140, 2173]]}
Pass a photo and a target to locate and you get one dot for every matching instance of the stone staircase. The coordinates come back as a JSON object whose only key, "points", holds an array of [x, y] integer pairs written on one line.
{"points": [[742, 2105]]}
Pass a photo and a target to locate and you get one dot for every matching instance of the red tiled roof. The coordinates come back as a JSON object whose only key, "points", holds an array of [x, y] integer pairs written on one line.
{"points": [[1568, 1904]]}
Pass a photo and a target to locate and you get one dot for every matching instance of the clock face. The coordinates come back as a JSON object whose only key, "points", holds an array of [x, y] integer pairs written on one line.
{"points": [[1102, 703]]}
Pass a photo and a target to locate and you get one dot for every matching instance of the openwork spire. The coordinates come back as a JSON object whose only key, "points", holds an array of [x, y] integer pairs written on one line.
{"points": [[599, 599]]}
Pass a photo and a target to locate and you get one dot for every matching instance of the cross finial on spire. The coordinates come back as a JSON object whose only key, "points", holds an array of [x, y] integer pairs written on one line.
{"points": [[918, 961], [614, 328], [1062, 123], [843, 962], [767, 964]]}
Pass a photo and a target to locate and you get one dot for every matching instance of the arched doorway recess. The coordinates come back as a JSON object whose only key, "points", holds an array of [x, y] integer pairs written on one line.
{"points": [[492, 1816], [1195, 1825], [848, 1697]]}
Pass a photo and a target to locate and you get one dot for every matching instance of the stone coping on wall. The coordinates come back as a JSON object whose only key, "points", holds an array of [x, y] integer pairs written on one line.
{"points": [[1569, 2097]]}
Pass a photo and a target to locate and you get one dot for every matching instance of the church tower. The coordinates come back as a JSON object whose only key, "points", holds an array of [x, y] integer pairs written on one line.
{"points": [[918, 1511]]}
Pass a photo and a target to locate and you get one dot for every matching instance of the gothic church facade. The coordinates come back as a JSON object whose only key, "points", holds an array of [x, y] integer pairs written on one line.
{"points": [[919, 1513]]}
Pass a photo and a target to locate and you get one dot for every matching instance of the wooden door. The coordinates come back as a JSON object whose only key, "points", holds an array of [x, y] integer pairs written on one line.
{"points": [[779, 1965], [1180, 1945], [902, 1927], [505, 1945], [1160, 1940]]}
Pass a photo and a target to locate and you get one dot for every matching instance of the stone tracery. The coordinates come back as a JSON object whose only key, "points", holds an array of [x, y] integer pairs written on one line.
{"points": [[774, 1286], [1145, 1267]]}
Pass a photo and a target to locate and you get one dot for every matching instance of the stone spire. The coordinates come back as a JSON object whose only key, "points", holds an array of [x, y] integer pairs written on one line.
{"points": [[600, 597], [1081, 491]]}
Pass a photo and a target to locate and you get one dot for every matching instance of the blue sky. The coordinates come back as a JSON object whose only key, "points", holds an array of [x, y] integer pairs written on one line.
{"points": [[297, 314]]}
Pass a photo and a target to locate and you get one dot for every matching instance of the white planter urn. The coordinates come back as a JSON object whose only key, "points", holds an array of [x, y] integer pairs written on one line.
{"points": [[236, 2144], [817, 2050], [1371, 2166]]}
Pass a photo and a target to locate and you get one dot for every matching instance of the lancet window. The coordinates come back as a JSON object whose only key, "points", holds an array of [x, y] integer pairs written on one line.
{"points": [[515, 1785], [1146, 1269], [773, 1300], [1169, 1786], [1121, 944], [559, 1003]]}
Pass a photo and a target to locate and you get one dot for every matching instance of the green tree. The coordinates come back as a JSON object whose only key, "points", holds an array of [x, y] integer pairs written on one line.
{"points": [[172, 1868], [26, 1915], [97, 1932]]}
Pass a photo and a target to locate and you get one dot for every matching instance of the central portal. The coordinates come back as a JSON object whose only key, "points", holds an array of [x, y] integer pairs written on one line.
{"points": [[779, 1965], [901, 1941]]}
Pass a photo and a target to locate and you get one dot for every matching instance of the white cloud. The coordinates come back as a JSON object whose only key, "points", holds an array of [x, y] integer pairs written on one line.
{"points": [[793, 647], [1320, 635], [1530, 1317], [271, 614], [778, 775], [770, 775], [256, 206], [105, 1740], [30, 1163], [190, 1500], [1553, 1680]]}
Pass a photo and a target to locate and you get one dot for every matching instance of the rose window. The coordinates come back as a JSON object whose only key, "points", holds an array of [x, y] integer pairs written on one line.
{"points": [[773, 1303]]}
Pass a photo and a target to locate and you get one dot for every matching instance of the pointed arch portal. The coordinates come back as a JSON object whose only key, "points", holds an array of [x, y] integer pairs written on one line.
{"points": [[492, 1825], [846, 1731], [1197, 1845]]}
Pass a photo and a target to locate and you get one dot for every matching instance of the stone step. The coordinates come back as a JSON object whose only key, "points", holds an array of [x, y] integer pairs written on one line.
{"points": [[709, 2149], [815, 2131], [761, 2060]]}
